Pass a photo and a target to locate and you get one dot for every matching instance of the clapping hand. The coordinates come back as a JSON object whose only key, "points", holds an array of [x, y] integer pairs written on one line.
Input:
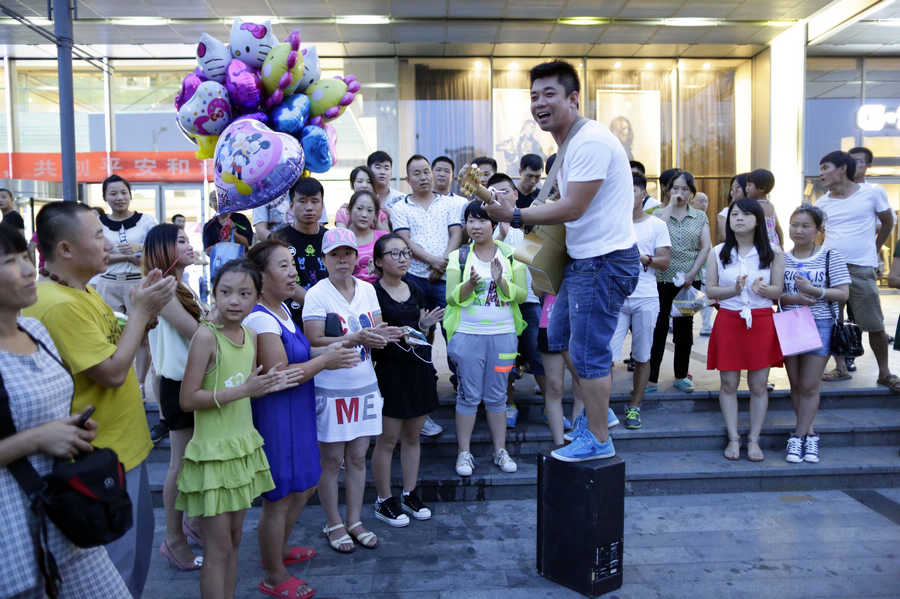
{"points": [[496, 270], [274, 380], [337, 356], [153, 293], [430, 318], [763, 289], [369, 338], [806, 287], [739, 284]]}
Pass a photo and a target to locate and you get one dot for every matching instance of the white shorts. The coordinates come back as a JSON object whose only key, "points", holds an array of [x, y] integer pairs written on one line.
{"points": [[639, 314]]}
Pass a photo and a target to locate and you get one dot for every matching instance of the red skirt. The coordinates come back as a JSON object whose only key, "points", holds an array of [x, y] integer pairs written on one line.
{"points": [[732, 346]]}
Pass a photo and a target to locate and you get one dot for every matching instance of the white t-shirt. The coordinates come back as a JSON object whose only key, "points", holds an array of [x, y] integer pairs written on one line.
{"points": [[348, 402], [267, 322], [130, 232], [487, 314], [651, 234], [393, 196], [649, 203], [850, 224], [168, 350], [593, 154], [429, 227]]}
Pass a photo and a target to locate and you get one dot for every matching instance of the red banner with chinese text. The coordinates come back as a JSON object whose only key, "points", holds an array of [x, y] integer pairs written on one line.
{"points": [[94, 167]]}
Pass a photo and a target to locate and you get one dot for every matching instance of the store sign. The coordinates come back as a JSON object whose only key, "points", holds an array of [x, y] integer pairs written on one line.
{"points": [[94, 167], [875, 117]]}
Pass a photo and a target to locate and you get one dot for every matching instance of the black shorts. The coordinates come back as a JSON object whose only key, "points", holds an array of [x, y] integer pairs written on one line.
{"points": [[542, 345], [174, 416]]}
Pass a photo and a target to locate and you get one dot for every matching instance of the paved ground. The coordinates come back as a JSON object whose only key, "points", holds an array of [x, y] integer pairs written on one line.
{"points": [[819, 544]]}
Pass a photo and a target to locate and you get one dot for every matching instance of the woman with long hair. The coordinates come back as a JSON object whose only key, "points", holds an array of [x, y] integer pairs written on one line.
{"points": [[689, 232], [168, 249], [819, 279], [737, 190], [746, 275]]}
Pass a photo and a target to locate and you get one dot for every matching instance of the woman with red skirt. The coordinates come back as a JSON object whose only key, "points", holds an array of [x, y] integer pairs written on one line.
{"points": [[746, 275]]}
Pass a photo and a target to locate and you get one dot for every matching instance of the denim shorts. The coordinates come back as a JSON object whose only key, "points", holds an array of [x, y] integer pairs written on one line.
{"points": [[587, 309], [824, 325]]}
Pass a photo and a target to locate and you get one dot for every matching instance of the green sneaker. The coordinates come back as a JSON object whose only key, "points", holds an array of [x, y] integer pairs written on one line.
{"points": [[633, 417]]}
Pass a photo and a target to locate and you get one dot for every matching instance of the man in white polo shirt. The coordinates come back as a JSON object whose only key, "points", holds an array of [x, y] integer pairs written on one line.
{"points": [[853, 213]]}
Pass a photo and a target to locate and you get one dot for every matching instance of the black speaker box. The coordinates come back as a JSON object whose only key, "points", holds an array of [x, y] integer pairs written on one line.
{"points": [[581, 523]]}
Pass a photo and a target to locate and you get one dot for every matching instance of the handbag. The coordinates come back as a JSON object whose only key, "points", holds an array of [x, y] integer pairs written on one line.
{"points": [[796, 330], [85, 498], [846, 336]]}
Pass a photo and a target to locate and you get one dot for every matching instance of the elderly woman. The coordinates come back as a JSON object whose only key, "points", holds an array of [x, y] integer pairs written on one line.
{"points": [[39, 391], [286, 419], [343, 309]]}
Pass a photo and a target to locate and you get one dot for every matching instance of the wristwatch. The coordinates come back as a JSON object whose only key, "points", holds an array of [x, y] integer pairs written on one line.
{"points": [[516, 221]]}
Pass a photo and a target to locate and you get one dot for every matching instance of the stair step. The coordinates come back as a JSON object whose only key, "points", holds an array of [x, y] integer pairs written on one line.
{"points": [[667, 429], [654, 473]]}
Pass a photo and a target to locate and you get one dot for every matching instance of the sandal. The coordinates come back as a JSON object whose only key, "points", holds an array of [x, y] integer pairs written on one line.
{"points": [[366, 539], [835, 375], [298, 555], [754, 452], [196, 564], [892, 382], [287, 589], [342, 541], [192, 535], [733, 449]]}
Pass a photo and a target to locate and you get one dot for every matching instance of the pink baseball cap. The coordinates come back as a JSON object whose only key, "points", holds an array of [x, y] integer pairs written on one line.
{"points": [[335, 238]]}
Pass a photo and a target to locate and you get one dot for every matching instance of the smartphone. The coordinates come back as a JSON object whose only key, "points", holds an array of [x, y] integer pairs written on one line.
{"points": [[85, 416]]}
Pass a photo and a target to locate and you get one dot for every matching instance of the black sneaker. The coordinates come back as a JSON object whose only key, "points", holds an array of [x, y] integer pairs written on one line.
{"points": [[391, 512], [633, 418], [159, 431], [414, 506]]}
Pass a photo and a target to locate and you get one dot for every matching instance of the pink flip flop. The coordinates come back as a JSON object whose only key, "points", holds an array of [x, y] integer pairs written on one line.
{"points": [[196, 564], [287, 589]]}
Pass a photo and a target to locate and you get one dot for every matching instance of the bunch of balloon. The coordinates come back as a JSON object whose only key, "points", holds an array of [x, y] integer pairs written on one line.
{"points": [[260, 109]]}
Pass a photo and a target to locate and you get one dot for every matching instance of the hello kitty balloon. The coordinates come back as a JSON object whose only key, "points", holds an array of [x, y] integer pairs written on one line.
{"points": [[208, 111], [311, 70], [251, 42], [213, 57]]}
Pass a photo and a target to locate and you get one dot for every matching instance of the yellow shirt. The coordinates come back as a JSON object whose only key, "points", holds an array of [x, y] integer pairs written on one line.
{"points": [[86, 332]]}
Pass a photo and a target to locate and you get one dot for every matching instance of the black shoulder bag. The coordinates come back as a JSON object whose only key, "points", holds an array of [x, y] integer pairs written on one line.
{"points": [[846, 337], [85, 498]]}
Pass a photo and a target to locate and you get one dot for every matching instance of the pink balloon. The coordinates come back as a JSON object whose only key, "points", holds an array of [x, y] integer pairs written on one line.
{"points": [[244, 86], [332, 141]]}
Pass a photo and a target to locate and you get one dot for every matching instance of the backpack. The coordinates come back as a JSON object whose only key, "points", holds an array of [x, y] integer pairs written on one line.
{"points": [[85, 498], [464, 255]]}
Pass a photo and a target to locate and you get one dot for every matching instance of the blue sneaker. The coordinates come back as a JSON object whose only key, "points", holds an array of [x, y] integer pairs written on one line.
{"points": [[611, 419], [567, 426], [585, 447], [512, 415], [580, 425]]}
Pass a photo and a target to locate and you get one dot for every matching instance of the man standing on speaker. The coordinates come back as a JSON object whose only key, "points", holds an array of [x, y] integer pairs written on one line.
{"points": [[594, 181]]}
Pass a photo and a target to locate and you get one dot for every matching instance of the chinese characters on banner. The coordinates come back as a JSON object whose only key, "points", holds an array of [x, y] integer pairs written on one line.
{"points": [[94, 167]]}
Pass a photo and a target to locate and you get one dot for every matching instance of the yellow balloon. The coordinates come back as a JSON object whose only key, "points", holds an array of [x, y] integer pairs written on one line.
{"points": [[306, 173], [206, 146]]}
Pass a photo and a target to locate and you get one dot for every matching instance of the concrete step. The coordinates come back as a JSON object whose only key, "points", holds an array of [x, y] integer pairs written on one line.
{"points": [[655, 473], [665, 428]]}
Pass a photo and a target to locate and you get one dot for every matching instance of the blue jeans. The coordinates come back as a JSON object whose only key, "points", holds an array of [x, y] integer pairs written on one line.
{"points": [[587, 309]]}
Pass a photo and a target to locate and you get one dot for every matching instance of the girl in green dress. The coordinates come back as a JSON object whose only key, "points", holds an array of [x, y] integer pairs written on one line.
{"points": [[225, 468]]}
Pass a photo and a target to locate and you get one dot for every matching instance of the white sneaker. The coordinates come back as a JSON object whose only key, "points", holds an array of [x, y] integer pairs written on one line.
{"points": [[465, 463], [431, 428], [794, 450], [506, 463], [811, 449]]}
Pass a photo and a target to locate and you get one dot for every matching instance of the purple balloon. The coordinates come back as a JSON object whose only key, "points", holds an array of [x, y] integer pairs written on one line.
{"points": [[244, 86], [262, 117], [189, 86]]}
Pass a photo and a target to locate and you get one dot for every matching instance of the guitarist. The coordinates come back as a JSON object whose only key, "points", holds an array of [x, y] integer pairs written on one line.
{"points": [[594, 181]]}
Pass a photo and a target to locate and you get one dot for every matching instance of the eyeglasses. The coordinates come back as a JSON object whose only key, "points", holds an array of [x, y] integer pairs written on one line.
{"points": [[395, 254]]}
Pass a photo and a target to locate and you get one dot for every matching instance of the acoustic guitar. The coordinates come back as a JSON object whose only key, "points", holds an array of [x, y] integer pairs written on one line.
{"points": [[544, 248]]}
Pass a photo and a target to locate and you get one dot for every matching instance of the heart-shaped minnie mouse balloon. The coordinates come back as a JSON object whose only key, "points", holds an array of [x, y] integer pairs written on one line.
{"points": [[254, 165], [290, 116], [316, 149], [208, 111], [244, 86]]}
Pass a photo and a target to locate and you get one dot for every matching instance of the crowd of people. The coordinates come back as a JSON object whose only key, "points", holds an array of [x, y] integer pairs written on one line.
{"points": [[318, 338]]}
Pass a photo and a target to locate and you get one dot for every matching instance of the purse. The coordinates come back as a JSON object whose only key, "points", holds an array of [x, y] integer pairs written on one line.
{"points": [[796, 330], [85, 498], [846, 336]]}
